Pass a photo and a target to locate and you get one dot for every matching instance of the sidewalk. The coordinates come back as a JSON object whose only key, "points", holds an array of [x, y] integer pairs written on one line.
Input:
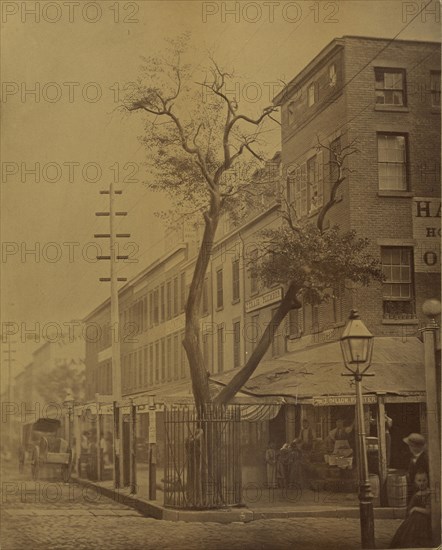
{"points": [[258, 504]]}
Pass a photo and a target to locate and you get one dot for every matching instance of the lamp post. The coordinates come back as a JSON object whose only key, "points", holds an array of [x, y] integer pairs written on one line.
{"points": [[431, 309], [357, 349]]}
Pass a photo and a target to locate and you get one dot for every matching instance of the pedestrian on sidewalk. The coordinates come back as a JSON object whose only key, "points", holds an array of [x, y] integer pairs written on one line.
{"points": [[283, 466], [415, 530], [271, 458], [419, 460]]}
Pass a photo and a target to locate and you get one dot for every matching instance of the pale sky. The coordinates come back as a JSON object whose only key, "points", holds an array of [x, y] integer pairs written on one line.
{"points": [[267, 43]]}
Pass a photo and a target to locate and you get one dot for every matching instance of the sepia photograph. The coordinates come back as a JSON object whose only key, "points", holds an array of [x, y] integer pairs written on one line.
{"points": [[220, 274]]}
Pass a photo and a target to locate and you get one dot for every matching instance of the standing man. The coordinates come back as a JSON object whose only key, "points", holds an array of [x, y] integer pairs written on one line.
{"points": [[418, 461], [305, 438]]}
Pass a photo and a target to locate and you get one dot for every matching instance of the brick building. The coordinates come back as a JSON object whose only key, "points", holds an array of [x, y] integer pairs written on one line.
{"points": [[386, 95]]}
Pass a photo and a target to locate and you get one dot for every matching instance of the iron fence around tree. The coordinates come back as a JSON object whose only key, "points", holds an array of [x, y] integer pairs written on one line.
{"points": [[202, 457]]}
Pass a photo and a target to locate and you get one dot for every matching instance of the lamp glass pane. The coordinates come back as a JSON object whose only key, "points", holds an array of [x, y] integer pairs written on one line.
{"points": [[358, 349]]}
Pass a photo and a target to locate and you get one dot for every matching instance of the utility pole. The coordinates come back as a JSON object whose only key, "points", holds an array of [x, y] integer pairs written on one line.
{"points": [[115, 324], [10, 360]]}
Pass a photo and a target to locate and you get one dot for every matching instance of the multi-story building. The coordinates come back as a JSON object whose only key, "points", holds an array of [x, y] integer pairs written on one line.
{"points": [[382, 97]]}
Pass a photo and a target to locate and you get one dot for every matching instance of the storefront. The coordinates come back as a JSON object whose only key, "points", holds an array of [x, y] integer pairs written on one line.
{"points": [[317, 396]]}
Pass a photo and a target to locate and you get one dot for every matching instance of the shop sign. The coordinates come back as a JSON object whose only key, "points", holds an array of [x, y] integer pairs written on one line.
{"points": [[427, 233], [418, 398], [264, 300], [325, 401]]}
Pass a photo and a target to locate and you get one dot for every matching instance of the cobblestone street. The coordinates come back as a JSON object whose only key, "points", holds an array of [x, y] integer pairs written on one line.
{"points": [[47, 514]]}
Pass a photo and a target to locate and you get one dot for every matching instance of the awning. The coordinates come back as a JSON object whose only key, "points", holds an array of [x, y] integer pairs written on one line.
{"points": [[311, 373]]}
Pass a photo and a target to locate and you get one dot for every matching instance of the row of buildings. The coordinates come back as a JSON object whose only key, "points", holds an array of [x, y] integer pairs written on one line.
{"points": [[383, 95]]}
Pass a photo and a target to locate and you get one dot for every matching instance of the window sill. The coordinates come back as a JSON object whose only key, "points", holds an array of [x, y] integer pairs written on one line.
{"points": [[414, 321], [219, 308], [402, 194], [338, 324], [392, 108], [237, 301]]}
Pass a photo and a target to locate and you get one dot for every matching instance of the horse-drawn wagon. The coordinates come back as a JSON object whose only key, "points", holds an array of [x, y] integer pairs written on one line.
{"points": [[41, 446]]}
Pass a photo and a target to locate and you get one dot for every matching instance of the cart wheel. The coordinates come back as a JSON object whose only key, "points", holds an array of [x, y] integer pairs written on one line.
{"points": [[35, 463], [66, 469]]}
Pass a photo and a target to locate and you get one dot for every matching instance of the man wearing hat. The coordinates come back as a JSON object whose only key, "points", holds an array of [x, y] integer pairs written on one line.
{"points": [[418, 462]]}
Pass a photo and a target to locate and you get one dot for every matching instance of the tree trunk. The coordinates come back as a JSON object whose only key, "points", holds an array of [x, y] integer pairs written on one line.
{"points": [[191, 343], [288, 302]]}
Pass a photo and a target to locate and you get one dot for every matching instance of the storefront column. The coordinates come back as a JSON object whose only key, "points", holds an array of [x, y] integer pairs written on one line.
{"points": [[132, 455], [99, 450], [77, 436], [382, 442], [290, 428]]}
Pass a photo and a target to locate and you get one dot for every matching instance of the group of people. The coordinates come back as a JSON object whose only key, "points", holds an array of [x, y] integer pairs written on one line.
{"points": [[284, 466], [415, 530]]}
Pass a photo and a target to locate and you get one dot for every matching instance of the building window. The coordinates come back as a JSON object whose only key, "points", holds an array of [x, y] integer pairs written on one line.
{"points": [[301, 195], [176, 350], [163, 304], [157, 362], [392, 159], [163, 359], [175, 297], [220, 347], [219, 289], [151, 366], [140, 368], [398, 288], [155, 307], [235, 280], [182, 291], [253, 273], [254, 332], [333, 78], [205, 300], [295, 320], [151, 309], [276, 333], [145, 313], [145, 367], [338, 302], [183, 357], [390, 86], [206, 357], [169, 357], [131, 370], [435, 88], [311, 94], [315, 184], [236, 344], [168, 300]]}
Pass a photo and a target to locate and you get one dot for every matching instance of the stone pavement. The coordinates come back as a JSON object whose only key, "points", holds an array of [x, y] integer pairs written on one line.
{"points": [[52, 515]]}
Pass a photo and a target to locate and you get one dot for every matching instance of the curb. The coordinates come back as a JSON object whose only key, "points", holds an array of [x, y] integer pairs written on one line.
{"points": [[231, 515]]}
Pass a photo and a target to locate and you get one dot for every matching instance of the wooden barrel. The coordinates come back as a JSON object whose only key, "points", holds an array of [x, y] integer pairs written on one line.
{"points": [[397, 490], [375, 489]]}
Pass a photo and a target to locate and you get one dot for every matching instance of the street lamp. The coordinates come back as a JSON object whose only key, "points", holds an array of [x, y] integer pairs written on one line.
{"points": [[432, 308], [357, 349]]}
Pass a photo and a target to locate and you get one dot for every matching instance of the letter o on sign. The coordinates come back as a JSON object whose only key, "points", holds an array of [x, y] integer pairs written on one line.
{"points": [[430, 258]]}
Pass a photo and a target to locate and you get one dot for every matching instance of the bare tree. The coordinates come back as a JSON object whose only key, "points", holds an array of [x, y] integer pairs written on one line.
{"points": [[200, 148], [198, 139]]}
